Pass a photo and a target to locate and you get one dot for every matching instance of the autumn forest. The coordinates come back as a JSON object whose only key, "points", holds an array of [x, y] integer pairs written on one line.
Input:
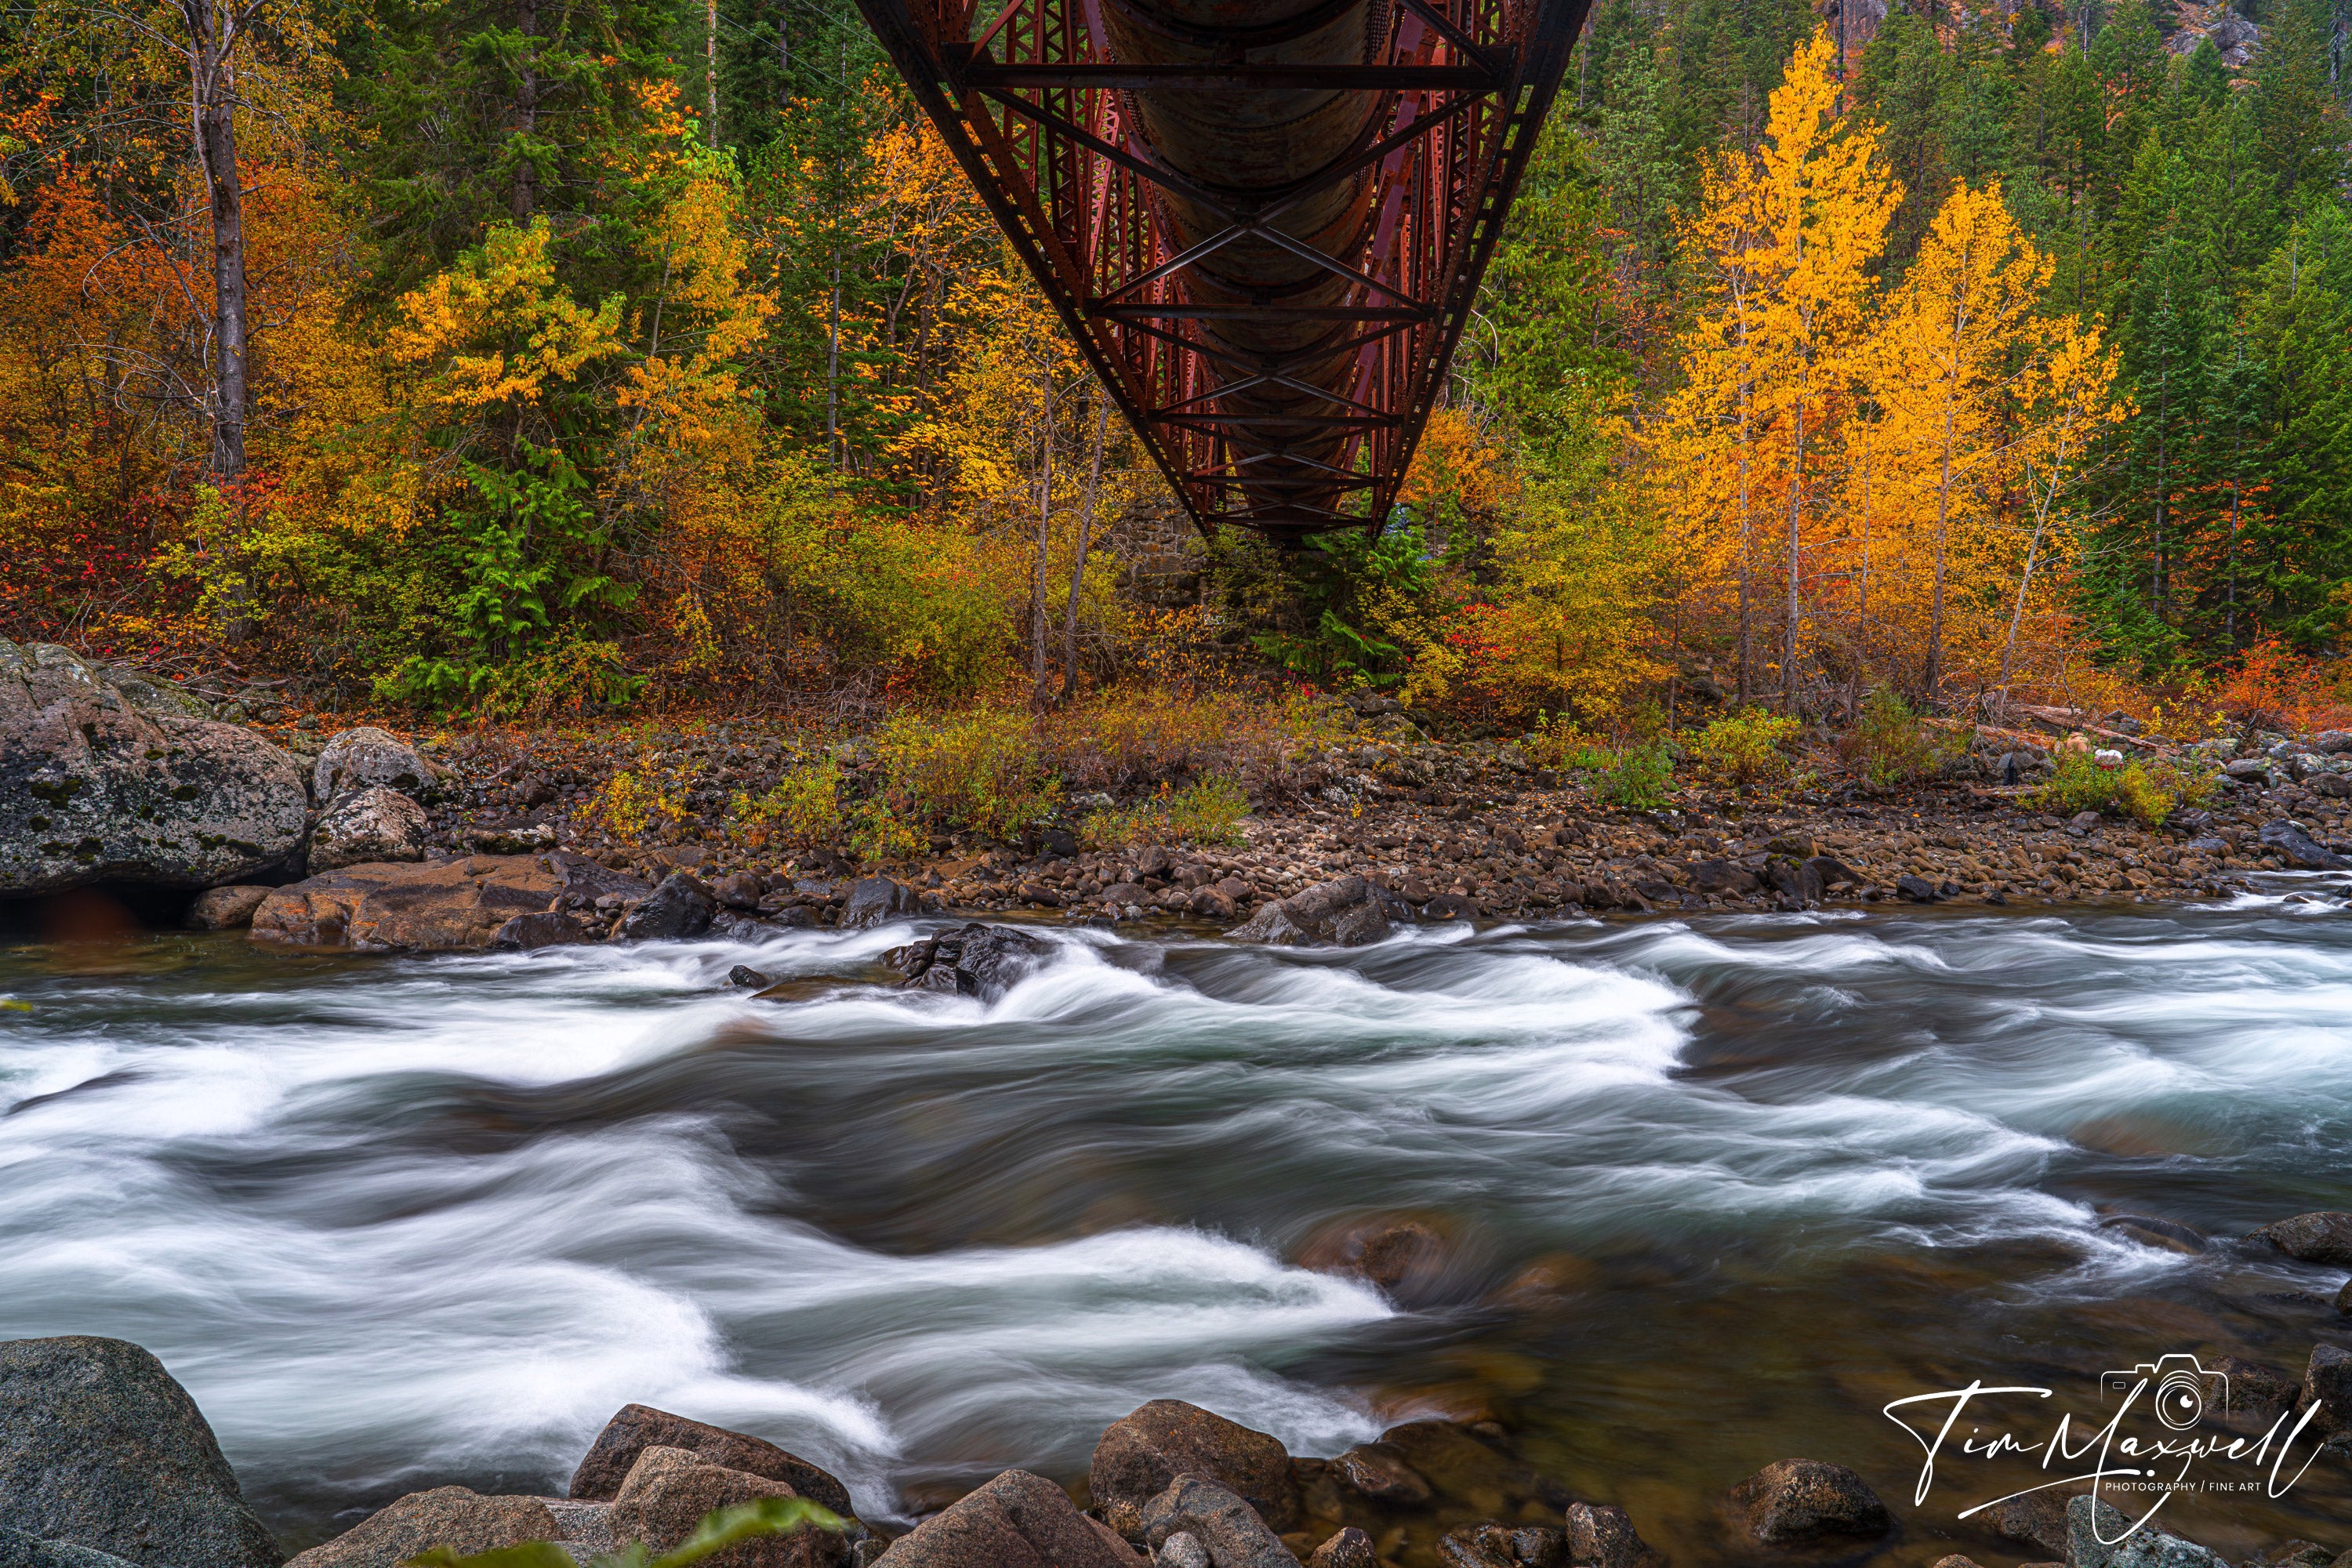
{"points": [[491, 357]]}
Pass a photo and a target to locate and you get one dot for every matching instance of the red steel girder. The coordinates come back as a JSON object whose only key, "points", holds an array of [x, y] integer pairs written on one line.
{"points": [[1264, 221]]}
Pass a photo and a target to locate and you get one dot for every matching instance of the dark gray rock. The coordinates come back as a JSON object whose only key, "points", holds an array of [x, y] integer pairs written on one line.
{"points": [[2036, 1519], [878, 901], [1917, 889], [1145, 1450], [679, 908], [92, 789], [974, 960], [2327, 1383], [1018, 1521], [637, 1427], [1234, 1531], [100, 1448], [2292, 845], [1796, 1500], [2099, 1535], [547, 928], [2324, 1237], [23, 1551], [1349, 913], [456, 1517]]}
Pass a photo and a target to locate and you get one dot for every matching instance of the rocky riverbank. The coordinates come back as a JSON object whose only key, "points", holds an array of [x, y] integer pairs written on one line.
{"points": [[428, 841]]}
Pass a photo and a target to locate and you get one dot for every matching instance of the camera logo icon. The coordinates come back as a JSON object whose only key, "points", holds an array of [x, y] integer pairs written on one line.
{"points": [[2180, 1384]]}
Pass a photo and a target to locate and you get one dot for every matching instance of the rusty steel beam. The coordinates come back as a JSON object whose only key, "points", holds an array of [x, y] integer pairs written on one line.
{"points": [[1264, 221]]}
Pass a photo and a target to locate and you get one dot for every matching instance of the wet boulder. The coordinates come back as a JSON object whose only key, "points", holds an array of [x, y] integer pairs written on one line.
{"points": [[94, 788], [974, 960], [1234, 1533], [2323, 1237], [366, 758], [878, 901], [19, 1550], [1381, 1473], [101, 1447], [1018, 1521], [376, 824], [668, 1491], [1345, 1548], [1491, 1545], [1603, 1536], [449, 906], [678, 911], [2327, 1385], [1792, 1501], [1142, 1452], [637, 1427], [456, 1517], [1349, 913]]}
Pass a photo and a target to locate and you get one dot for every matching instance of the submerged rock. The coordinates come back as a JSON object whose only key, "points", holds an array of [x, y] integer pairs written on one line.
{"points": [[456, 1517], [1018, 1521], [95, 789], [101, 1447], [1143, 1451], [449, 906], [637, 1427], [1796, 1500]]}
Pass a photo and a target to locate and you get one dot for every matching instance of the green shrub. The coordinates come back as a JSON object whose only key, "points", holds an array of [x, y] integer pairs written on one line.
{"points": [[1748, 751], [720, 1529], [2147, 794], [802, 807], [1642, 777], [1888, 744], [983, 771], [1209, 812]]}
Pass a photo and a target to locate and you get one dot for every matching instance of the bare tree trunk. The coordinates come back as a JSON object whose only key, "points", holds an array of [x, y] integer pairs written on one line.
{"points": [[525, 200], [211, 44], [1086, 527]]}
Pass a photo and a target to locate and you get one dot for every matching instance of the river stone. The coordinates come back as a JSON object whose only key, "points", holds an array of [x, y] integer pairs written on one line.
{"points": [[376, 824], [1795, 1500], [24, 1551], [2036, 1519], [2325, 1236], [679, 909], [637, 1427], [1234, 1531], [2292, 845], [226, 909], [449, 906], [1603, 1536], [2327, 1383], [1464, 1467], [358, 759], [1381, 1473], [668, 1491], [100, 1448], [974, 960], [1346, 1548], [2095, 1538], [878, 901], [1349, 913], [94, 790], [456, 1517], [1143, 1451], [1018, 1521]]}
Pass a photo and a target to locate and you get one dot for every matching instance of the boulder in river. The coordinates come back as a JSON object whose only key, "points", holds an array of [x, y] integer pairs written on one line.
{"points": [[456, 1517], [1018, 1521], [2327, 1383], [94, 788], [679, 909], [974, 960], [375, 824], [878, 901], [365, 757], [1792, 1501], [20, 1551], [2099, 1535], [1603, 1536], [1143, 1451], [2323, 1237], [637, 1427], [1349, 913], [1231, 1532], [449, 906], [668, 1490], [1345, 1548], [101, 1447], [1489, 1544]]}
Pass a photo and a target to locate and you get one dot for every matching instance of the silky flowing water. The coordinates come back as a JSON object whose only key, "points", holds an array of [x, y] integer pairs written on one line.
{"points": [[1713, 1191]]}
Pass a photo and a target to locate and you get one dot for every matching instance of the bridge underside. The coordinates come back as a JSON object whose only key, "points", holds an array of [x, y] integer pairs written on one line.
{"points": [[1264, 220]]}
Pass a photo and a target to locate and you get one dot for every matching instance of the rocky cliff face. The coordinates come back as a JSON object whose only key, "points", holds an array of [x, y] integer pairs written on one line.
{"points": [[105, 777]]}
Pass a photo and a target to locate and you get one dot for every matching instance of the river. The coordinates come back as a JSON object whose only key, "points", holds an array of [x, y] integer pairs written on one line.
{"points": [[1713, 1191]]}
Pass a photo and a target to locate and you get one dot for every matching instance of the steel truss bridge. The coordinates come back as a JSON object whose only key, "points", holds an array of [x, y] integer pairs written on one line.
{"points": [[1264, 222]]}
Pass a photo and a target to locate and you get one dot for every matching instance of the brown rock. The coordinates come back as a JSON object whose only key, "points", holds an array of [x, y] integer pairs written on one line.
{"points": [[1231, 1532], [1603, 1536], [454, 1516], [1466, 1468], [1018, 1521], [2327, 1383], [453, 906], [1142, 1452], [1348, 1548], [670, 1490], [226, 909], [2037, 1519], [2325, 1236], [1955, 1561], [637, 1428], [1380, 1472], [1795, 1500]]}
